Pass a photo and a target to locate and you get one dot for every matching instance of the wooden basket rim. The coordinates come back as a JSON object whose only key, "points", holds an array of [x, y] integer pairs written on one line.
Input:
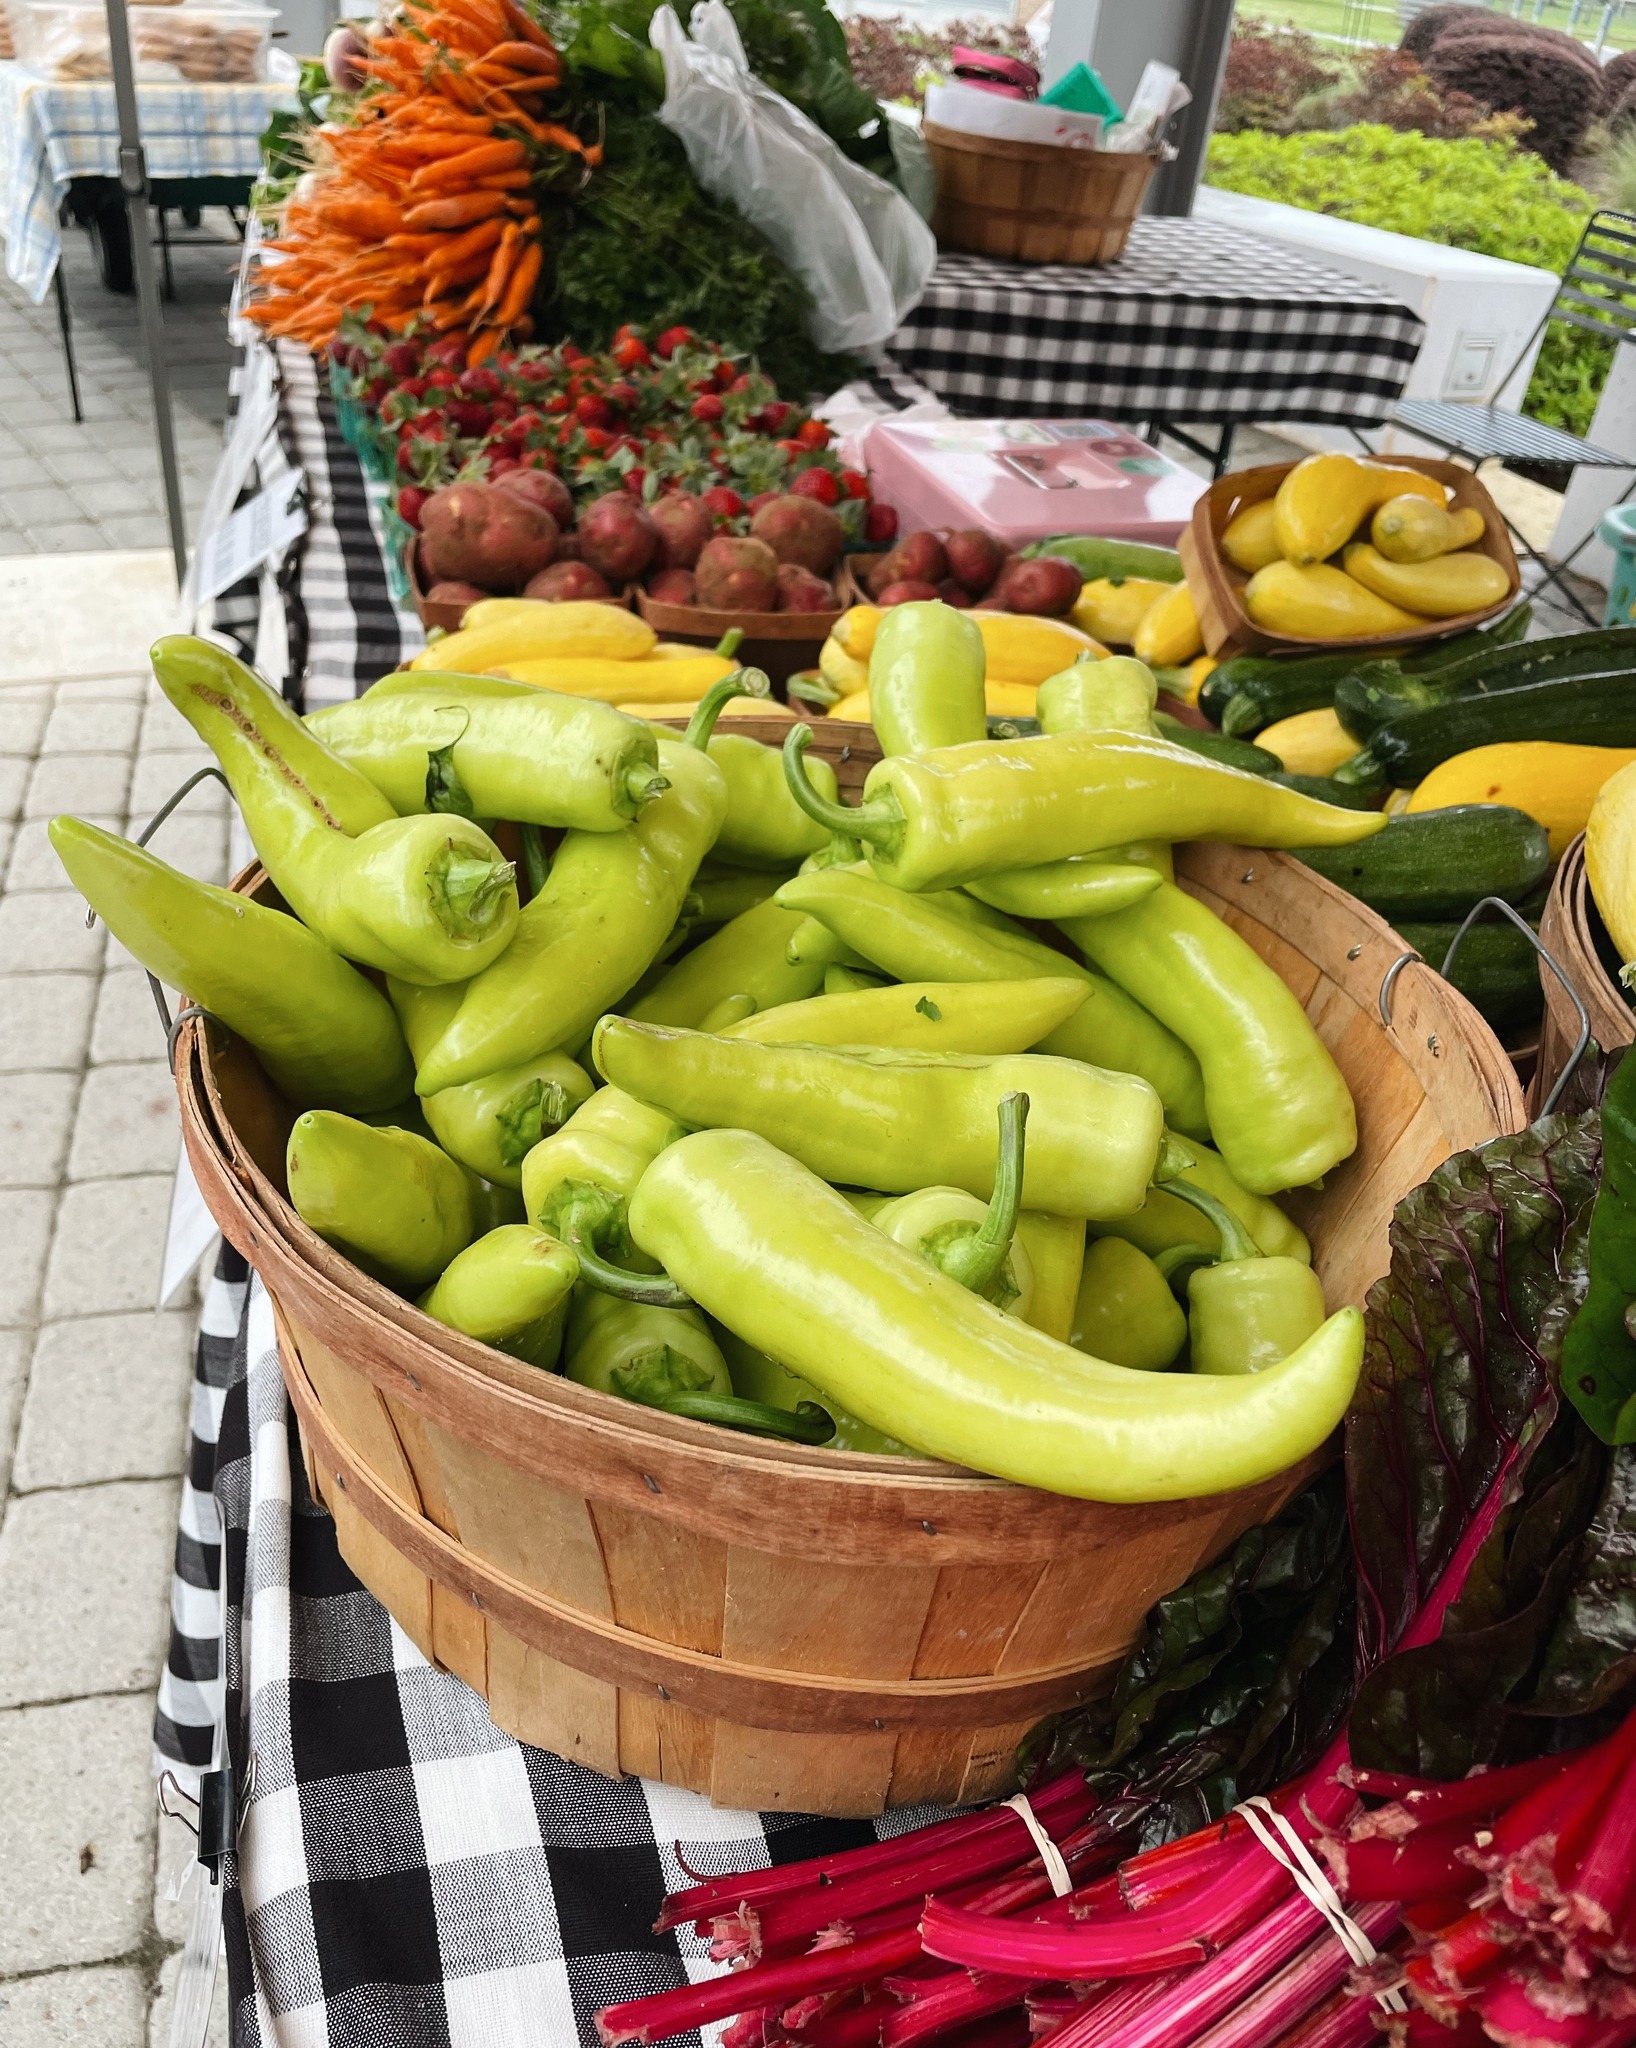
{"points": [[1048, 153]]}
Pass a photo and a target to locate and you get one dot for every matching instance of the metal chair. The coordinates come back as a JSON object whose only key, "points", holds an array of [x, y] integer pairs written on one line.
{"points": [[1598, 294]]}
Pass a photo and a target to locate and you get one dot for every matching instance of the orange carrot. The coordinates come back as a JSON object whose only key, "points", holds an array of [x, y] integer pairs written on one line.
{"points": [[455, 173], [500, 266], [504, 181], [369, 220], [460, 210], [483, 345], [525, 25], [521, 289], [524, 57]]}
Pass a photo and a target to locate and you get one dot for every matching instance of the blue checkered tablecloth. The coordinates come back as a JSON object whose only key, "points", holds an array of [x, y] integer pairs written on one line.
{"points": [[51, 133]]}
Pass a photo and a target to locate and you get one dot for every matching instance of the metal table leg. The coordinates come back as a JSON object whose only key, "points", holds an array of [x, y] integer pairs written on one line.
{"points": [[66, 327]]}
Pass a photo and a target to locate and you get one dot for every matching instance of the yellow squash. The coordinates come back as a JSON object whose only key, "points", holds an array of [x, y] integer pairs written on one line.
{"points": [[854, 631], [1112, 611], [1020, 649], [1553, 782], [1443, 588], [1610, 857], [844, 670], [1169, 633], [1319, 603], [1250, 538], [1197, 670], [507, 629], [1413, 529], [656, 681], [738, 707], [1310, 743], [1000, 700], [1325, 499]]}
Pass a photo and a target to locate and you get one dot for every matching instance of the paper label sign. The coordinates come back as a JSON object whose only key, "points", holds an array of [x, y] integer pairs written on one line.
{"points": [[264, 527]]}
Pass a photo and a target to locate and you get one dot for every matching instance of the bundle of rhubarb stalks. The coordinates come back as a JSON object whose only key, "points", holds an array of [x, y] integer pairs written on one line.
{"points": [[1502, 1907]]}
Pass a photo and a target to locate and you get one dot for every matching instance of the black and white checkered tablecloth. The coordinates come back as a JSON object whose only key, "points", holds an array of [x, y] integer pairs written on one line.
{"points": [[406, 1875], [1196, 321]]}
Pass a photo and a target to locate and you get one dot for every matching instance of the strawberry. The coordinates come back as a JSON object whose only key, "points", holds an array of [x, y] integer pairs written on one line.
{"points": [[631, 353], [793, 449], [727, 377], [402, 359], [597, 438], [762, 498], [469, 418], [854, 484], [723, 503], [410, 500], [634, 480], [481, 383], [773, 415], [558, 403], [442, 379], [671, 340], [592, 411], [624, 396], [813, 434], [880, 525], [707, 410], [822, 484]]}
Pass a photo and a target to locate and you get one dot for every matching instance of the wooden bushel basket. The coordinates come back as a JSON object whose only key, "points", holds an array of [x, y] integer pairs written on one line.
{"points": [[771, 1625], [1567, 930], [1218, 588], [1034, 202]]}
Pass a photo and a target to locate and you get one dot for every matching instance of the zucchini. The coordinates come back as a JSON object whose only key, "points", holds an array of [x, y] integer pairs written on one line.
{"points": [[1437, 864], [1583, 710], [1496, 969], [1116, 559], [1374, 694], [1215, 746], [1610, 650], [1328, 790]]}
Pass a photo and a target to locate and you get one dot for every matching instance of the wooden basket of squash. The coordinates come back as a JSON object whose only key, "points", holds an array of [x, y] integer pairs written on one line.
{"points": [[1342, 551]]}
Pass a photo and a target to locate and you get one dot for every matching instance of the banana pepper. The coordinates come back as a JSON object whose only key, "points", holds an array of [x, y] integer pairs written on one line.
{"points": [[1164, 1223], [428, 899], [973, 1243], [326, 1035], [747, 957], [900, 1121], [1279, 1110], [764, 826], [509, 1289], [924, 1016], [758, 1240], [1246, 1311], [926, 679], [1125, 1311], [392, 1201], [932, 820]]}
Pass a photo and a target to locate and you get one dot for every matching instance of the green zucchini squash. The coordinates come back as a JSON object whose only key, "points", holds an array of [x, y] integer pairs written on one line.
{"points": [[1094, 557], [1215, 746], [1437, 864], [1583, 710], [1368, 701], [1496, 969], [1328, 790]]}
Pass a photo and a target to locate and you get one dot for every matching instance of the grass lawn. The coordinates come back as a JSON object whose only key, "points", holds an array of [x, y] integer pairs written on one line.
{"points": [[1359, 21]]}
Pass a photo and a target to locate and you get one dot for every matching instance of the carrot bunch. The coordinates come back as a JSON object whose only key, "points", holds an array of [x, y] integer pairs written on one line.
{"points": [[423, 205]]}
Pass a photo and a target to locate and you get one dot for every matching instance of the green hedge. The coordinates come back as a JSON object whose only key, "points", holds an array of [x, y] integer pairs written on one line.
{"points": [[1471, 194]]}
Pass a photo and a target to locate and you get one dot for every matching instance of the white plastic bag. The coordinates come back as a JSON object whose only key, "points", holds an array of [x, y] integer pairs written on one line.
{"points": [[854, 241]]}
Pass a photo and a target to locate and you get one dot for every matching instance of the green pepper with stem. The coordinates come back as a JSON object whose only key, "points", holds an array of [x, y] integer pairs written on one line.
{"points": [[607, 904], [392, 1201], [1125, 1311], [901, 1120], [324, 1033], [1086, 886], [1164, 1224], [1118, 694], [754, 1236], [759, 1378], [666, 1358], [931, 820], [974, 1244], [1279, 1110], [924, 1016], [510, 1289], [492, 1124], [926, 673], [748, 957], [1055, 1248], [917, 938], [544, 758], [764, 826], [583, 1176], [428, 899], [1246, 1312]]}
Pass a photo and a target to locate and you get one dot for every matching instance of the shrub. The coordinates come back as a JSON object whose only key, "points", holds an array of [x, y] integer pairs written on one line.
{"points": [[1551, 80], [1269, 70], [1430, 23], [1391, 87], [1618, 76], [1478, 194]]}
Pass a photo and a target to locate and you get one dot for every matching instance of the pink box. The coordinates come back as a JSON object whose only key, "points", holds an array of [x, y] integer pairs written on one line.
{"points": [[1025, 480]]}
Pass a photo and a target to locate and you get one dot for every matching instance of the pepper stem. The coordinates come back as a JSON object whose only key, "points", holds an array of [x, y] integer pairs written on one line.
{"points": [[535, 865], [1236, 1241], [976, 1259], [807, 1423], [468, 891], [879, 823], [1175, 1157], [730, 642], [658, 1290], [643, 784], [743, 682]]}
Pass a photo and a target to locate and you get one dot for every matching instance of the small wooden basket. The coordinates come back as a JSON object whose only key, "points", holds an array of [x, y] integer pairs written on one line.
{"points": [[780, 643], [1035, 202], [1217, 587], [446, 617], [1568, 930], [770, 1625]]}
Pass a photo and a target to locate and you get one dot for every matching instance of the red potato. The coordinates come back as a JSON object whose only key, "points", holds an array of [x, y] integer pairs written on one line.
{"points": [[455, 593], [673, 586], [617, 538], [564, 580], [908, 591], [540, 487], [955, 594], [801, 531], [737, 575], [684, 525], [478, 533], [800, 591], [1045, 587], [917, 558], [975, 559]]}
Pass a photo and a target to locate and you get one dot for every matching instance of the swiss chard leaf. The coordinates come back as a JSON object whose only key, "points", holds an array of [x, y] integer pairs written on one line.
{"points": [[1458, 1375], [1590, 1659], [1599, 1356]]}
